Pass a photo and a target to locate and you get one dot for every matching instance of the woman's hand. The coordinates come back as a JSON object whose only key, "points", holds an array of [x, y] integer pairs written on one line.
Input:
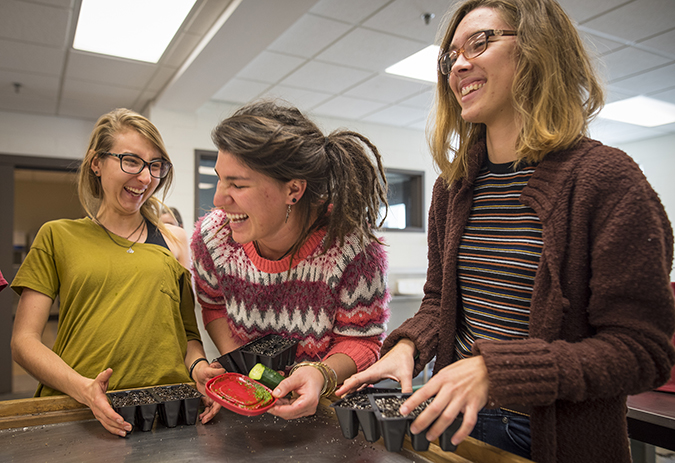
{"points": [[201, 374], [459, 387], [306, 384], [95, 398], [397, 364]]}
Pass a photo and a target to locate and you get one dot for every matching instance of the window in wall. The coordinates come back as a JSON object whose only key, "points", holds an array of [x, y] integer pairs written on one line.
{"points": [[205, 181], [406, 201]]}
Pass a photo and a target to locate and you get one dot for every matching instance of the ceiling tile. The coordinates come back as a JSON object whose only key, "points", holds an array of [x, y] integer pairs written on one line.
{"points": [[582, 10], [240, 91], [419, 125], [36, 94], [347, 108], [386, 89], [159, 79], [629, 61], [28, 57], [324, 77], [107, 69], [599, 45], [613, 133], [372, 50], [663, 42], [302, 98], [270, 67], [636, 20], [309, 35], [397, 115], [648, 82], [424, 100], [405, 18], [33, 23], [666, 95], [351, 11], [81, 91]]}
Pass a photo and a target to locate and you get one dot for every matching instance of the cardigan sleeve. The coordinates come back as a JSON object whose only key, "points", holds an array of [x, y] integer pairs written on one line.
{"points": [[360, 320]]}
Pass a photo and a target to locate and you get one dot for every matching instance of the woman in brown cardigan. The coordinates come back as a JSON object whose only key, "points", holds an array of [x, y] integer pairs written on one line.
{"points": [[547, 298]]}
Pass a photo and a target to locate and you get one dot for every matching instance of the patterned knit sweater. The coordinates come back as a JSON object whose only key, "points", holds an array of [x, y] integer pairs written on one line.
{"points": [[331, 303]]}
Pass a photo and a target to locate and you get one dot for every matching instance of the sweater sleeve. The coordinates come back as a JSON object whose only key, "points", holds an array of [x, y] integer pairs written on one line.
{"points": [[630, 310], [360, 320], [205, 276], [423, 328]]}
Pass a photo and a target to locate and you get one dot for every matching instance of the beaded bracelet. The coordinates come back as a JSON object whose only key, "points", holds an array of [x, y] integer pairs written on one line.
{"points": [[328, 373]]}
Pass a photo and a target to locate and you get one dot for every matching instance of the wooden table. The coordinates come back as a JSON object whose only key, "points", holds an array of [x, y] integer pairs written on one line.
{"points": [[59, 430]]}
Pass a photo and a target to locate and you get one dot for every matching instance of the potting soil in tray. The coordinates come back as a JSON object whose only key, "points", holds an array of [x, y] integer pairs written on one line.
{"points": [[177, 404], [240, 394], [354, 412], [394, 426], [273, 351]]}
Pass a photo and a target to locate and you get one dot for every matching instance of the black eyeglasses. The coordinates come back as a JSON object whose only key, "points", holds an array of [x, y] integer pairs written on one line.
{"points": [[132, 164], [472, 48]]}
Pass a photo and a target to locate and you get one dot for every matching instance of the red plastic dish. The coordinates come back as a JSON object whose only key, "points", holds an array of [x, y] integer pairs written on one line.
{"points": [[240, 394]]}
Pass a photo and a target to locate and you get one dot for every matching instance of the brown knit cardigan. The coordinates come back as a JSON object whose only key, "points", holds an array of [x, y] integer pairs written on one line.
{"points": [[602, 311]]}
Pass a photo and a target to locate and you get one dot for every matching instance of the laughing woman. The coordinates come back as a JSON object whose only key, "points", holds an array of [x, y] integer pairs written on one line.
{"points": [[290, 249], [126, 315], [547, 298]]}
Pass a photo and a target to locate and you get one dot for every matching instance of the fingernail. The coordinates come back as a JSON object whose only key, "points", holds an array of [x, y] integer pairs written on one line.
{"points": [[277, 392]]}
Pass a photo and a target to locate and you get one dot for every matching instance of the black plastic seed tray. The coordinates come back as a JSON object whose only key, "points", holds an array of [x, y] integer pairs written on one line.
{"points": [[175, 405], [394, 426], [355, 412], [273, 351]]}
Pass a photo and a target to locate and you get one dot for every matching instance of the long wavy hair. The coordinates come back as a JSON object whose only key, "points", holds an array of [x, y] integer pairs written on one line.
{"points": [[101, 140], [556, 91], [345, 185]]}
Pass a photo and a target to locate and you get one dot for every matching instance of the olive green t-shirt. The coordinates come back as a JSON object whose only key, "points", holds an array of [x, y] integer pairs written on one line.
{"points": [[133, 312]]}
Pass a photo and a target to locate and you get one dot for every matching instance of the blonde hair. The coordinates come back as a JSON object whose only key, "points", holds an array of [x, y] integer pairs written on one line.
{"points": [[101, 140], [556, 92]]}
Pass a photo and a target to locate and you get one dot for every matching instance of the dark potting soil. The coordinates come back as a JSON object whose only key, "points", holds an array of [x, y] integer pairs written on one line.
{"points": [[269, 345], [182, 391], [389, 406], [357, 400], [131, 398]]}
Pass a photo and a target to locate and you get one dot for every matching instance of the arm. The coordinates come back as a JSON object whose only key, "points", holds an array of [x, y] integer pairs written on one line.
{"points": [[201, 374], [42, 363], [179, 246]]}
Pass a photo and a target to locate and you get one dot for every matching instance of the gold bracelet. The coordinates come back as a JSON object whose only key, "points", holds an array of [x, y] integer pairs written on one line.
{"points": [[329, 376]]}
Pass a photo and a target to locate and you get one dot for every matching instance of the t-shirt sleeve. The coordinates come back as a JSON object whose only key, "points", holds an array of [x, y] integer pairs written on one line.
{"points": [[39, 270]]}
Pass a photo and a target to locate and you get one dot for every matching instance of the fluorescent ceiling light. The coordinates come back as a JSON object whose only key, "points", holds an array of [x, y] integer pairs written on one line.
{"points": [[206, 186], [640, 110], [420, 66], [134, 29]]}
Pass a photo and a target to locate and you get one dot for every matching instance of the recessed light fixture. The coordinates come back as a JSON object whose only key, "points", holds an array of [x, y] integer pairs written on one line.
{"points": [[138, 30], [420, 66], [640, 110]]}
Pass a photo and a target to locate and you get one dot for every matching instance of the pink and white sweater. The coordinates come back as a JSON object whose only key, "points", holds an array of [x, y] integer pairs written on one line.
{"points": [[331, 303]]}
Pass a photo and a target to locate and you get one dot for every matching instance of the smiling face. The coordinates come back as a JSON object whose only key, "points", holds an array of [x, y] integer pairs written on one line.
{"points": [[255, 203], [482, 85], [123, 193]]}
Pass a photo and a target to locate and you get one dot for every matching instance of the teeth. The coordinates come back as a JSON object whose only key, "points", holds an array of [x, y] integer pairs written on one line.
{"points": [[237, 217], [135, 191], [470, 88]]}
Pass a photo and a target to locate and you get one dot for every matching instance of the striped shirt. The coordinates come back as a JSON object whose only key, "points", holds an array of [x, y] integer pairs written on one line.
{"points": [[498, 259]]}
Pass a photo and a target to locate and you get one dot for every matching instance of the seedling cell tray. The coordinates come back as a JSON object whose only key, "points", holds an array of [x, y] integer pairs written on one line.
{"points": [[355, 412], [273, 351]]}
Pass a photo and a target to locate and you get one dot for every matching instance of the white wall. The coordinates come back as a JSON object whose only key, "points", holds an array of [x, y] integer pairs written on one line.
{"points": [[656, 157]]}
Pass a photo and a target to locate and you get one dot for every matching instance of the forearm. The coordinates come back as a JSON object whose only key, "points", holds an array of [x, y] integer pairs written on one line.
{"points": [[221, 335], [343, 366]]}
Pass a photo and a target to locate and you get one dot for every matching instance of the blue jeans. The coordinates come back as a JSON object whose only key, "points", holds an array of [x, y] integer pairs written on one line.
{"points": [[503, 429]]}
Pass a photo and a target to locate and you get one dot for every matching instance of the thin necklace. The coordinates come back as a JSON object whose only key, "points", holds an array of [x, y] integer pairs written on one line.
{"points": [[255, 245], [130, 250]]}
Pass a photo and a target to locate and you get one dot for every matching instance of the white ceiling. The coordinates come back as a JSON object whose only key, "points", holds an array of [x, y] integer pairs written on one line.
{"points": [[325, 56]]}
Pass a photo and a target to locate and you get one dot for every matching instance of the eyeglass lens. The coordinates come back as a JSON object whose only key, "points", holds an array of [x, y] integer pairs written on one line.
{"points": [[473, 47], [134, 165]]}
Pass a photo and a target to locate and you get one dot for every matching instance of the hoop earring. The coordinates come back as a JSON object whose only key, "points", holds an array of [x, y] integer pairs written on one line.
{"points": [[288, 211]]}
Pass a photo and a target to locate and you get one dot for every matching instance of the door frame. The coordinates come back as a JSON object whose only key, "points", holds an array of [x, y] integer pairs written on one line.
{"points": [[8, 163]]}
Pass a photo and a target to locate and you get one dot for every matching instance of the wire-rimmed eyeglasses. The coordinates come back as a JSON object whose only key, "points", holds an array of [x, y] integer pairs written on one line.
{"points": [[472, 48], [133, 164]]}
